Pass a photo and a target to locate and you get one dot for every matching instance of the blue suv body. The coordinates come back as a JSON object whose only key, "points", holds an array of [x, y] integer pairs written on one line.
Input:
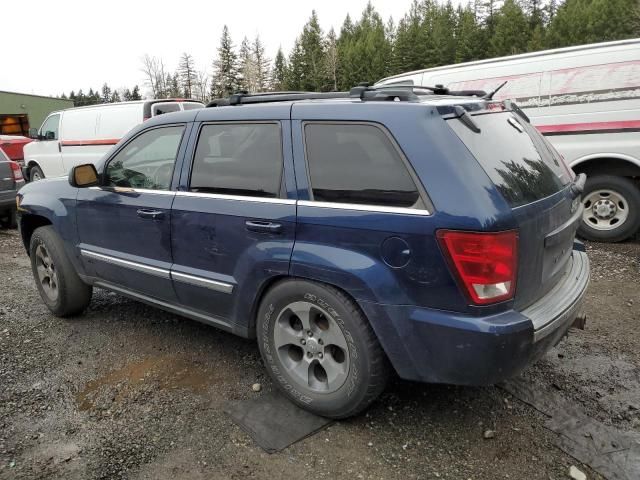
{"points": [[432, 234]]}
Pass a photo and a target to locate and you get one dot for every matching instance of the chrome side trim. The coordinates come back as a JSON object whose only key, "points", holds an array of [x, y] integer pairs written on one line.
{"points": [[365, 208], [134, 190], [202, 282], [158, 272], [242, 198]]}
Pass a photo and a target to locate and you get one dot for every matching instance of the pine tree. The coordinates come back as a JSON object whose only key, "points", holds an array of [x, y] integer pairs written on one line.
{"points": [[135, 93], [225, 68], [367, 55], [262, 64], [410, 49], [309, 61], [343, 46], [187, 74], [467, 35], [247, 67], [511, 31], [294, 71], [115, 97], [331, 61], [106, 94], [444, 40], [279, 72]]}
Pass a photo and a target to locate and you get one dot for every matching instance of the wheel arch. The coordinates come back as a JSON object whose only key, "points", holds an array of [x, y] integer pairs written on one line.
{"points": [[608, 163], [29, 164], [272, 282], [28, 225]]}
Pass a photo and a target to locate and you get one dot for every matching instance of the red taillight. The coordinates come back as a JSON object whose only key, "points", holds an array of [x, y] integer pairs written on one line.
{"points": [[16, 171], [485, 262]]}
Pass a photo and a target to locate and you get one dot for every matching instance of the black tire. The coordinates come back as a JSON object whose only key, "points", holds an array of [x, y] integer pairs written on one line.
{"points": [[368, 367], [9, 219], [623, 187], [35, 174], [73, 295]]}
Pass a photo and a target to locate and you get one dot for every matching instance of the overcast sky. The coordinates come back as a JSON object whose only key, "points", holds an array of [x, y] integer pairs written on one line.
{"points": [[54, 47]]}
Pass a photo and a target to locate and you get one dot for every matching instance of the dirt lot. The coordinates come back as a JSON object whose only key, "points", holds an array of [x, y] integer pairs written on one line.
{"points": [[128, 391]]}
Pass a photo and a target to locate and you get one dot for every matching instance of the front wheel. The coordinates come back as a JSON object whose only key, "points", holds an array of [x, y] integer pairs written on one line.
{"points": [[35, 174], [60, 287], [611, 209], [319, 348]]}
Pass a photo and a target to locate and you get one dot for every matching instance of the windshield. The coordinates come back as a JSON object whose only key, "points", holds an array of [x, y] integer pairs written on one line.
{"points": [[515, 157]]}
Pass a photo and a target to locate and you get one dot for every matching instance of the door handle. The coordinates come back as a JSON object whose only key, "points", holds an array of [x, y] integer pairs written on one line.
{"points": [[150, 214], [263, 227]]}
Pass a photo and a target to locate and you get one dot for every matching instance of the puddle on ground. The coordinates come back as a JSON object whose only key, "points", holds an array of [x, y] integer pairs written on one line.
{"points": [[164, 372]]}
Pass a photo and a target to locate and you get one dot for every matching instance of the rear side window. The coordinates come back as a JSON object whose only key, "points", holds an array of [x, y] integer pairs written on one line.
{"points": [[357, 164], [238, 159], [523, 171]]}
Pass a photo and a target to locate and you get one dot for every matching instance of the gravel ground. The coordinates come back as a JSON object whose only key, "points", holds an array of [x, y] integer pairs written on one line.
{"points": [[128, 391]]}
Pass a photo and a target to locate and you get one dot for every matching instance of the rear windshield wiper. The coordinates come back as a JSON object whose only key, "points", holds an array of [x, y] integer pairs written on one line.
{"points": [[466, 119], [490, 95]]}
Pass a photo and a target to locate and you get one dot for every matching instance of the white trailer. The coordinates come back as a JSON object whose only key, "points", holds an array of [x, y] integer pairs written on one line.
{"points": [[586, 101]]}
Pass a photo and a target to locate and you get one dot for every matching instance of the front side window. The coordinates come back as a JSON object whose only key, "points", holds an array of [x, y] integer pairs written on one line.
{"points": [[357, 164], [50, 127], [147, 161], [238, 159]]}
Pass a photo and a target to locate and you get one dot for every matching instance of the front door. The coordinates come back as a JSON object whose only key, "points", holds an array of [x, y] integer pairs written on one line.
{"points": [[233, 230], [124, 225], [47, 149]]}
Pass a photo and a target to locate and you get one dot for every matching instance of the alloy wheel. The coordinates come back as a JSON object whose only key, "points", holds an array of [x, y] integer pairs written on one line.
{"points": [[312, 347], [46, 273]]}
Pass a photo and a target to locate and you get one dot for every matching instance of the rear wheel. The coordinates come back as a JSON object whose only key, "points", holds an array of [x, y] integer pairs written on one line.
{"points": [[35, 174], [319, 348], [611, 209], [60, 287]]}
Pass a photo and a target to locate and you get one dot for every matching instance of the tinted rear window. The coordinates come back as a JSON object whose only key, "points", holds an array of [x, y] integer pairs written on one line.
{"points": [[357, 164], [514, 156], [238, 159]]}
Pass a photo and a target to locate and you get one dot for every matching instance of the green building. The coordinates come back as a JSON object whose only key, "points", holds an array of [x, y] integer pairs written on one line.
{"points": [[21, 111]]}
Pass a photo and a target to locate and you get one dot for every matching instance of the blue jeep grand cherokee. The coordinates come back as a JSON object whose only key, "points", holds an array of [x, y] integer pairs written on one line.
{"points": [[350, 233]]}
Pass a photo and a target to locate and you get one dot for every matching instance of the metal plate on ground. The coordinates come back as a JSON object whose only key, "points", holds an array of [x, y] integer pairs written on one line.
{"points": [[274, 422]]}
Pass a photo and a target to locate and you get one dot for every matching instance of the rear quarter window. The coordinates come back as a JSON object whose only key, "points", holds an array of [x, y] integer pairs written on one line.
{"points": [[357, 164], [514, 157]]}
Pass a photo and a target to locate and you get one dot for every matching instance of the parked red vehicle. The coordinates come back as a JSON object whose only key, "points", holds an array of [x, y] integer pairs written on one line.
{"points": [[12, 146]]}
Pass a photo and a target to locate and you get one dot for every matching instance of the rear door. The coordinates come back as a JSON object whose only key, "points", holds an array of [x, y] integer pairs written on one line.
{"points": [[233, 230], [534, 181]]}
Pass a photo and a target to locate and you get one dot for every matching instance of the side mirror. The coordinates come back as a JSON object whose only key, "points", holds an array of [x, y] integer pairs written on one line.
{"points": [[33, 133], [50, 135], [82, 176]]}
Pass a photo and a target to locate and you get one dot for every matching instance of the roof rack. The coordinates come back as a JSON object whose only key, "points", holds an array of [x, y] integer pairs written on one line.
{"points": [[364, 92]]}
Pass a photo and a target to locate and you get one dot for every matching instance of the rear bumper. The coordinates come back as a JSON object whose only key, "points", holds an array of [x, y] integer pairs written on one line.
{"points": [[445, 347]]}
